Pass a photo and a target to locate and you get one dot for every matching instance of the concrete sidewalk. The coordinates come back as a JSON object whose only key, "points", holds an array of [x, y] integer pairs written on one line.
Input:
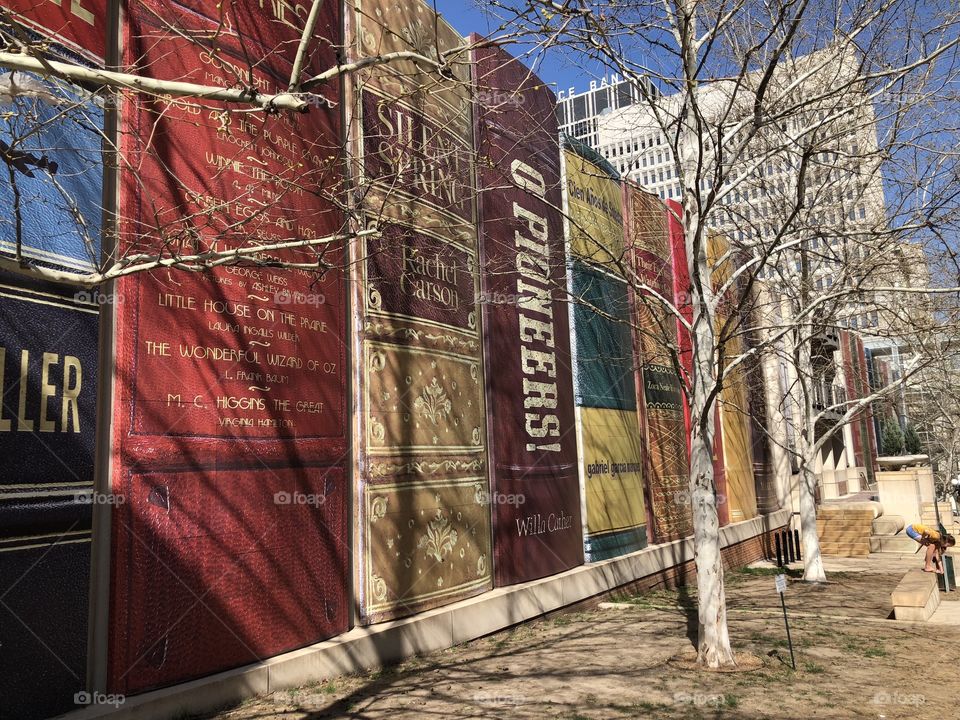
{"points": [[600, 664]]}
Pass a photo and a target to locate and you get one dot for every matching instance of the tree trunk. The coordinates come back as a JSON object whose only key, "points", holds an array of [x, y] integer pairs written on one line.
{"points": [[713, 646], [713, 640], [812, 562]]}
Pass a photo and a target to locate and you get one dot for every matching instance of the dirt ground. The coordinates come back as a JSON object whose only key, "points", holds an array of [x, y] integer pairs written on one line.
{"points": [[616, 663]]}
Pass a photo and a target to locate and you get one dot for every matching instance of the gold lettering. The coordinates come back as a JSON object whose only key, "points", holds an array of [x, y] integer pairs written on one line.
{"points": [[81, 12], [71, 390], [23, 425], [47, 391], [538, 394], [531, 329], [548, 425], [537, 226], [528, 178], [534, 361]]}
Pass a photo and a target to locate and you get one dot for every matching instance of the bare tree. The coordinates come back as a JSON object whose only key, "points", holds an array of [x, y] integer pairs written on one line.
{"points": [[802, 132]]}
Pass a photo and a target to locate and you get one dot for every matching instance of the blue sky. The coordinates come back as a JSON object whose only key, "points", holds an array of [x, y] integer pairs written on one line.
{"points": [[553, 69]]}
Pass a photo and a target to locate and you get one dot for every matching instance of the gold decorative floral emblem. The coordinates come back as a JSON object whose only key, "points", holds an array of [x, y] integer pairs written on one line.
{"points": [[375, 299], [481, 566], [377, 431], [378, 361], [378, 508], [421, 38], [476, 436], [440, 538], [379, 588], [433, 403]]}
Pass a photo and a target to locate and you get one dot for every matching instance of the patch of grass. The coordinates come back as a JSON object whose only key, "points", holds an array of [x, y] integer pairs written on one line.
{"points": [[329, 689], [383, 672], [730, 701], [766, 572], [859, 646], [813, 668]]}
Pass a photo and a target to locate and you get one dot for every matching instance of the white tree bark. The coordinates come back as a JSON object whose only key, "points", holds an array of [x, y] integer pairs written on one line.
{"points": [[807, 448], [713, 642]]}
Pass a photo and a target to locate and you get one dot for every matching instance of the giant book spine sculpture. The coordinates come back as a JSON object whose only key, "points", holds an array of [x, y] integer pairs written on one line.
{"points": [[611, 461], [533, 443], [229, 434], [51, 195], [661, 397], [423, 518]]}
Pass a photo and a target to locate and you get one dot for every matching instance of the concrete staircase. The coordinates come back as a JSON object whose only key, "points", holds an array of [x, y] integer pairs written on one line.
{"points": [[949, 520], [844, 531]]}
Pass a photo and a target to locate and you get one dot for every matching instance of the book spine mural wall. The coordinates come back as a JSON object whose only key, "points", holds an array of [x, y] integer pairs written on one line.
{"points": [[535, 495], [733, 464], [423, 515], [681, 288], [857, 386], [229, 438], [681, 300], [761, 440], [50, 141], [611, 459], [660, 398], [734, 412]]}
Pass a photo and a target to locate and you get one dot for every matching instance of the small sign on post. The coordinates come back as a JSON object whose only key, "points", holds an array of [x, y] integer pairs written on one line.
{"points": [[781, 582]]}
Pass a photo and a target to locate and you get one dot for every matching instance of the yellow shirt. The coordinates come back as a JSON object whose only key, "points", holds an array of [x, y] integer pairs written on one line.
{"points": [[930, 532]]}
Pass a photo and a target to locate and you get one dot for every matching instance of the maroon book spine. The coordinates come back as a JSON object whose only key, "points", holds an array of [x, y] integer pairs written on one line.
{"points": [[535, 495], [229, 438]]}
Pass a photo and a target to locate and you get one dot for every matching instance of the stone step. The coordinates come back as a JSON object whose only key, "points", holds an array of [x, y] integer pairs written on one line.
{"points": [[916, 597], [931, 520], [865, 529], [838, 536], [875, 509], [848, 548], [888, 525], [836, 512], [893, 543]]}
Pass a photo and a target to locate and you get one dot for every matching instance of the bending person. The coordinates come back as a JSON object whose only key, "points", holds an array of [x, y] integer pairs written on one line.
{"points": [[935, 542]]}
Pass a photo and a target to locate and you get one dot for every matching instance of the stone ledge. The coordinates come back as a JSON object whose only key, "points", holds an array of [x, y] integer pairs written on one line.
{"points": [[916, 597], [365, 648]]}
